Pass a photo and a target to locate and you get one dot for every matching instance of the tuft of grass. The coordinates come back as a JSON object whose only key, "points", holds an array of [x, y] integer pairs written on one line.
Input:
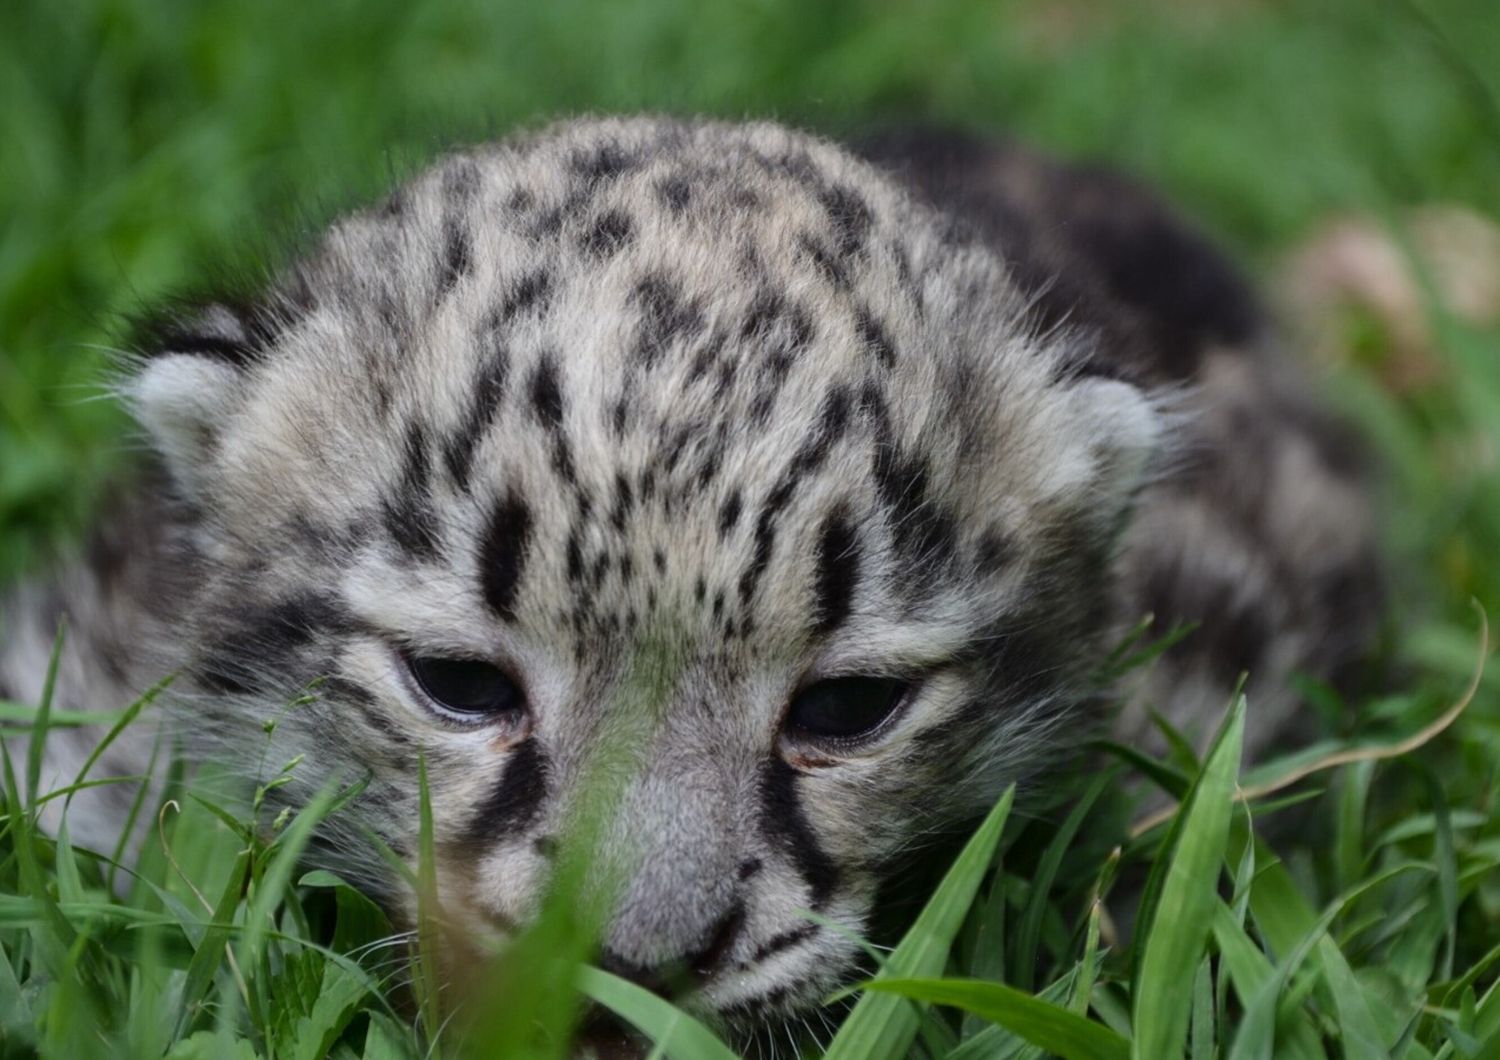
{"points": [[1233, 957]]}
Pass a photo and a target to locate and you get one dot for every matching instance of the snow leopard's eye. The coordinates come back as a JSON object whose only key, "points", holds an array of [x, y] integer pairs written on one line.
{"points": [[467, 687], [845, 708]]}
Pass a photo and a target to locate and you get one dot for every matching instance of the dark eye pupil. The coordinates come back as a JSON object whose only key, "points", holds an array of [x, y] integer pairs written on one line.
{"points": [[845, 706], [466, 685]]}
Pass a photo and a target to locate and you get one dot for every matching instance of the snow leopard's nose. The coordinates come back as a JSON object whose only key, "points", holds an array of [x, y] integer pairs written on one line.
{"points": [[676, 976], [679, 840]]}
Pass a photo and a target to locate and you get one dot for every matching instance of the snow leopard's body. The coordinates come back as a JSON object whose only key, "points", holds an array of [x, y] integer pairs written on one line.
{"points": [[725, 404]]}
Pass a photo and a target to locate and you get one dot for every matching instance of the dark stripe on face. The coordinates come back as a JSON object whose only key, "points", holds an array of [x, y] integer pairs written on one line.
{"points": [[409, 515], [502, 557], [345, 693], [784, 822], [838, 572], [515, 801], [810, 456], [923, 531], [549, 406], [783, 941], [262, 651], [489, 393]]}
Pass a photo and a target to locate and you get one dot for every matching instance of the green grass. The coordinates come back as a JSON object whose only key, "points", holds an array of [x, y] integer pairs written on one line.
{"points": [[144, 139]]}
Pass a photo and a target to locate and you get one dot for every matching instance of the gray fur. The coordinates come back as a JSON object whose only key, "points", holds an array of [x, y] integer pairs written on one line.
{"points": [[597, 399]]}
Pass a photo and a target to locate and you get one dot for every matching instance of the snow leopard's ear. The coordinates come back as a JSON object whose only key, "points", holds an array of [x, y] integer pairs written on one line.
{"points": [[193, 371], [1120, 434]]}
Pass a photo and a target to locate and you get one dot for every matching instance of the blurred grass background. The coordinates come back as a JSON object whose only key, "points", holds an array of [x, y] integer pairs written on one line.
{"points": [[145, 142]]}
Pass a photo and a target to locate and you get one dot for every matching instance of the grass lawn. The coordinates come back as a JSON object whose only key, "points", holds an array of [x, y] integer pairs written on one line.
{"points": [[146, 144]]}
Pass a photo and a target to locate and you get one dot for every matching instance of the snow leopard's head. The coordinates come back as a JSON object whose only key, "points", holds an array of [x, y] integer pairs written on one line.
{"points": [[707, 410]]}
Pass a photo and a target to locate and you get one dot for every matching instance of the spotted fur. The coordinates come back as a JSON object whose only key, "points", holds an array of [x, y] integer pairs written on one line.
{"points": [[729, 403]]}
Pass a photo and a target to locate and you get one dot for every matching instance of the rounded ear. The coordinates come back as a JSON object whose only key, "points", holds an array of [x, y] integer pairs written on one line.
{"points": [[188, 386], [1124, 431]]}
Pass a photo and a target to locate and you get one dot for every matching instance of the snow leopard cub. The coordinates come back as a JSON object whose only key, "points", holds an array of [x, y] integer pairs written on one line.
{"points": [[872, 459]]}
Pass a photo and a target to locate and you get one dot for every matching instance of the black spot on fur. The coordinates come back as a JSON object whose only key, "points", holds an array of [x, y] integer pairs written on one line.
{"points": [[573, 554], [874, 336], [782, 327], [924, 533], [546, 395], [513, 804], [850, 217], [623, 502], [837, 572], [409, 516], [760, 556], [780, 331], [832, 268], [503, 554], [704, 359], [729, 513], [665, 318], [531, 291], [484, 406], [457, 257], [603, 164], [610, 232], [460, 183], [675, 192], [784, 822]]}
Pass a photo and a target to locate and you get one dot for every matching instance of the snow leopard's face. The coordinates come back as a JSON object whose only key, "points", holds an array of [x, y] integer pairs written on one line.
{"points": [[711, 412]]}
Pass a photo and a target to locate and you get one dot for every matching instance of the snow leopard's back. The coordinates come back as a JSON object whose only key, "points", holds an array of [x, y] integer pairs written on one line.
{"points": [[727, 404]]}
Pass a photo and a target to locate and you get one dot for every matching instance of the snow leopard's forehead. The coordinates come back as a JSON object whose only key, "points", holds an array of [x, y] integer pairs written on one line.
{"points": [[639, 370]]}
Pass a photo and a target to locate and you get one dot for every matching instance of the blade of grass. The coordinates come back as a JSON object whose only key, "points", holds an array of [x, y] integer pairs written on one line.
{"points": [[1029, 932], [1174, 945], [128, 715], [41, 721], [675, 1032], [883, 1025], [1249, 970], [213, 948], [260, 917], [1049, 1026], [428, 984]]}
